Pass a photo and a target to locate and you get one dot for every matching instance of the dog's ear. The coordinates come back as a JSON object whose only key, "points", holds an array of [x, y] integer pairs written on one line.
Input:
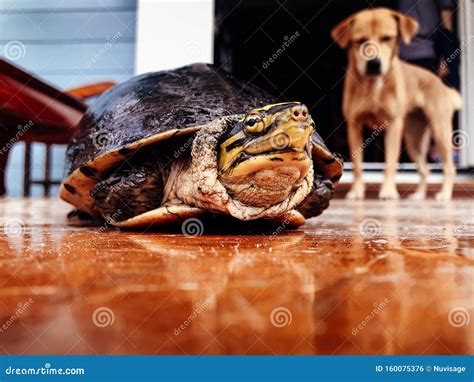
{"points": [[341, 33], [407, 26]]}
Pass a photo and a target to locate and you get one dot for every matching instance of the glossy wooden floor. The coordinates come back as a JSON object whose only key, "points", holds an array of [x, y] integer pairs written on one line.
{"points": [[365, 278]]}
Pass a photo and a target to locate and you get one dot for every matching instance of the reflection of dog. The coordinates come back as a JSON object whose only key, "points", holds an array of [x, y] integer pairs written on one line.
{"points": [[382, 91]]}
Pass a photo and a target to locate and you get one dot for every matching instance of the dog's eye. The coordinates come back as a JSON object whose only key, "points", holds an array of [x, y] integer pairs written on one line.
{"points": [[361, 41], [386, 38]]}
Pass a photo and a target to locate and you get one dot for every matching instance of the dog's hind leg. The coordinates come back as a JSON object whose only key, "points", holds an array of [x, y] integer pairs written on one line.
{"points": [[442, 132], [417, 140]]}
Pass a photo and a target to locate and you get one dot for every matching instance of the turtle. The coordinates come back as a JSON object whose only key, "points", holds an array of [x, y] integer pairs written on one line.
{"points": [[168, 146]]}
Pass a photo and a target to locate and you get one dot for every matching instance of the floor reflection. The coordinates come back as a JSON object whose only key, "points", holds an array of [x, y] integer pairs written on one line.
{"points": [[365, 278]]}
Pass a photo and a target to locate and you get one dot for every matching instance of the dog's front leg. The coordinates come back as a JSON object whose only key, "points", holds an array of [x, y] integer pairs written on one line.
{"points": [[354, 134], [393, 140]]}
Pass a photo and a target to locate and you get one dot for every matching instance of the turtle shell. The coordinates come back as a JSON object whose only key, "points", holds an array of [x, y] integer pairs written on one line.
{"points": [[154, 107]]}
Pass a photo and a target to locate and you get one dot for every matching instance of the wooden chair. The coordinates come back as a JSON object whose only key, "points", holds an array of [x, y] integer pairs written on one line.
{"points": [[31, 110], [83, 93]]}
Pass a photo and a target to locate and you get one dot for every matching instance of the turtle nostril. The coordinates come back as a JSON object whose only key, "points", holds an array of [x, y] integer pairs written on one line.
{"points": [[300, 113]]}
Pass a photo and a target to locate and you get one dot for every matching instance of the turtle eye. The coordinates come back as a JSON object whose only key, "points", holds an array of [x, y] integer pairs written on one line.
{"points": [[254, 125]]}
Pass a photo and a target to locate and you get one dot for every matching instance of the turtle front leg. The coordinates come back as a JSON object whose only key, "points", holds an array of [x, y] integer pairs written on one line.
{"points": [[132, 189], [318, 199]]}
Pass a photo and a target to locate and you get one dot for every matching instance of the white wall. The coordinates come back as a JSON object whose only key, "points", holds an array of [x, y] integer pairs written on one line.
{"points": [[466, 22], [173, 33]]}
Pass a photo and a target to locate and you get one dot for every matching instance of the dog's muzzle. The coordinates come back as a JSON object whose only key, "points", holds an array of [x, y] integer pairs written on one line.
{"points": [[373, 67]]}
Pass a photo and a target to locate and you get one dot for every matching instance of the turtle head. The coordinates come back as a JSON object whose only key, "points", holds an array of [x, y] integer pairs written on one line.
{"points": [[265, 156]]}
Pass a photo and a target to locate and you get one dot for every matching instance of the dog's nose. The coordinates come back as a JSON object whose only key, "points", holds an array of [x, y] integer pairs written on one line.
{"points": [[300, 113], [373, 67]]}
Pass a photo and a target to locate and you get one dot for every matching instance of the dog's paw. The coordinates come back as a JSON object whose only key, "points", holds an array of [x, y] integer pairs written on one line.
{"points": [[389, 194], [417, 196], [356, 193], [443, 196]]}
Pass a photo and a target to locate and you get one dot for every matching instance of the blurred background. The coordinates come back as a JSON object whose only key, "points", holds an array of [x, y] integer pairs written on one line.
{"points": [[284, 46]]}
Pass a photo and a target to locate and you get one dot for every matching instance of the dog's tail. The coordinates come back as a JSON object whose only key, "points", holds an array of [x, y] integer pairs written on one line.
{"points": [[456, 98]]}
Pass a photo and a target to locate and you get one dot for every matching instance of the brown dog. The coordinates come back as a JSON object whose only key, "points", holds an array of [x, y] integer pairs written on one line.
{"points": [[385, 93]]}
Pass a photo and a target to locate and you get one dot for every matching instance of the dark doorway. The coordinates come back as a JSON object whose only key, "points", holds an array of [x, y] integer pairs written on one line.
{"points": [[286, 47]]}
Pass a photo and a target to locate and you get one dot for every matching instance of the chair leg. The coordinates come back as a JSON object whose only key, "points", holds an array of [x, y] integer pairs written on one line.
{"points": [[27, 170], [3, 169], [5, 144], [47, 165]]}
